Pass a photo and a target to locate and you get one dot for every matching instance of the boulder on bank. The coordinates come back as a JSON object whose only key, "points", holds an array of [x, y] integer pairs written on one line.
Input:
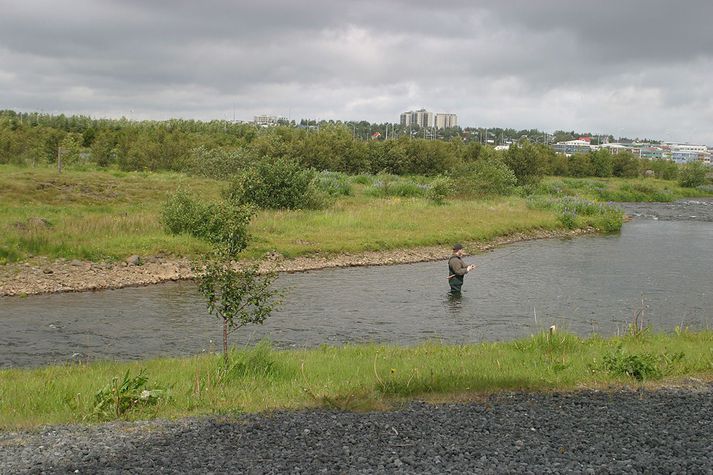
{"points": [[134, 260]]}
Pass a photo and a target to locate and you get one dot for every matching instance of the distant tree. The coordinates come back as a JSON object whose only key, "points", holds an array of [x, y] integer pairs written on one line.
{"points": [[526, 162], [692, 174], [602, 163], [625, 165], [102, 148], [580, 166]]}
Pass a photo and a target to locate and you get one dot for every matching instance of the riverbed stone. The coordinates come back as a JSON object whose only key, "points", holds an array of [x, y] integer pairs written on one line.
{"points": [[134, 260]]}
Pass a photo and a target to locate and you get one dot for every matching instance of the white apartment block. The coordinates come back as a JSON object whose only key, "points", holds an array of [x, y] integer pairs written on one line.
{"points": [[267, 120], [421, 117], [446, 121]]}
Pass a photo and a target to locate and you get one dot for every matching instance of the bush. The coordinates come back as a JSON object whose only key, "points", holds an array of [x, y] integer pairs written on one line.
{"points": [[580, 165], [638, 366], [664, 169], [625, 165], [440, 188], [182, 214], [277, 184], [485, 177], [602, 163], [527, 162], [222, 224], [117, 399], [692, 175]]}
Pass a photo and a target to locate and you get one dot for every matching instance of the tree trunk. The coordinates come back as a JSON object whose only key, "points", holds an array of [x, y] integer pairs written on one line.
{"points": [[225, 342]]}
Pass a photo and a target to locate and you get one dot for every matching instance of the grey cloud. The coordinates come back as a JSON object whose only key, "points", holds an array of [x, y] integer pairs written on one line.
{"points": [[490, 61]]}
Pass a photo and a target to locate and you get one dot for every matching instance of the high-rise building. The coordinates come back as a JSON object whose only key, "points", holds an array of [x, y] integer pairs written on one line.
{"points": [[424, 118], [421, 117], [268, 120], [446, 121]]}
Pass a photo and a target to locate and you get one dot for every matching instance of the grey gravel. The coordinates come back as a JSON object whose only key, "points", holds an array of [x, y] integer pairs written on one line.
{"points": [[631, 431]]}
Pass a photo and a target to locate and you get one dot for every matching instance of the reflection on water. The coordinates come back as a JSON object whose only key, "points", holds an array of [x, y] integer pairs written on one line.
{"points": [[583, 285]]}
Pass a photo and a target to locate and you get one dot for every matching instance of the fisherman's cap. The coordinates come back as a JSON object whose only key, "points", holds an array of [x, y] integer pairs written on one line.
{"points": [[457, 246]]}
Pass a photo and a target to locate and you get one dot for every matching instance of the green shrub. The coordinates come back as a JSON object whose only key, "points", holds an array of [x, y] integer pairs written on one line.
{"points": [[625, 165], [222, 224], [638, 366], [439, 189], [116, 399], [277, 184], [527, 161], [183, 214], [664, 169], [485, 177], [692, 175]]}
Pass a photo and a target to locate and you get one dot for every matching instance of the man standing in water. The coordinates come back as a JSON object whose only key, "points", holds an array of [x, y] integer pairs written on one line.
{"points": [[457, 269]]}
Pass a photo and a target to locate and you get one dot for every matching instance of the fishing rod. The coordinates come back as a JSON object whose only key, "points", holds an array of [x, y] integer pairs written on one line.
{"points": [[493, 259], [501, 256]]}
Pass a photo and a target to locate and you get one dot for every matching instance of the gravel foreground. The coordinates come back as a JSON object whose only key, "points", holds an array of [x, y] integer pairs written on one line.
{"points": [[630, 431]]}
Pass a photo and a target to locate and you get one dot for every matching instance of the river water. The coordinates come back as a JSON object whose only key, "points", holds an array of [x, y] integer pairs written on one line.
{"points": [[659, 265]]}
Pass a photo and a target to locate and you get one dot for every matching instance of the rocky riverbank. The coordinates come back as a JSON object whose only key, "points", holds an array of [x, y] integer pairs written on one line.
{"points": [[40, 275], [620, 431]]}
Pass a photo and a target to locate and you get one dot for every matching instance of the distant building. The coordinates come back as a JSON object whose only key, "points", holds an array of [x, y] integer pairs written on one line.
{"points": [[268, 120], [651, 152], [614, 148], [570, 147], [446, 121], [687, 153], [421, 117]]}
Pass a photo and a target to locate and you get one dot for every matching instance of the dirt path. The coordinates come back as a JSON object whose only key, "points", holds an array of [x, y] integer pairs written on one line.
{"points": [[40, 275]]}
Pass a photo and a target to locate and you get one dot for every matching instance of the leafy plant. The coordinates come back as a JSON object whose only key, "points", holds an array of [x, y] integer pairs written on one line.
{"points": [[692, 175], [638, 366], [223, 224], [485, 177], [238, 297], [277, 184], [440, 188], [120, 397]]}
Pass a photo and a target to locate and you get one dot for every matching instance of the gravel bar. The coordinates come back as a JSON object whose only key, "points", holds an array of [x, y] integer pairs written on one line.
{"points": [[614, 431]]}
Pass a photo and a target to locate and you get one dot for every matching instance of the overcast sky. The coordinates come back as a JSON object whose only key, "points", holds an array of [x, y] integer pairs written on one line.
{"points": [[640, 68]]}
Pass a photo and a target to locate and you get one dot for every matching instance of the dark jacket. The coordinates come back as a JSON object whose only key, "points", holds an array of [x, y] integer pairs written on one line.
{"points": [[457, 267]]}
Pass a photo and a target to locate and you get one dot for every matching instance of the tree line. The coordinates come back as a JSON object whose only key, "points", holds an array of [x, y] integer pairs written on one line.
{"points": [[221, 148]]}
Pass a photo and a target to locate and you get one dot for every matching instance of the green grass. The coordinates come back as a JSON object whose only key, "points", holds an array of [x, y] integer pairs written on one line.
{"points": [[618, 189], [109, 215], [363, 377], [100, 215]]}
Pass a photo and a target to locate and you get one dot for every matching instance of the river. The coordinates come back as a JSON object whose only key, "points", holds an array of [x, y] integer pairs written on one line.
{"points": [[659, 266]]}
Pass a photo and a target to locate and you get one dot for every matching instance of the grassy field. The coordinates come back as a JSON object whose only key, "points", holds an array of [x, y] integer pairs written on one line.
{"points": [[363, 377], [109, 215]]}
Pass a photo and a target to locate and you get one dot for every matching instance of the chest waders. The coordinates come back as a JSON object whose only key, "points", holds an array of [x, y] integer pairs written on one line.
{"points": [[454, 280]]}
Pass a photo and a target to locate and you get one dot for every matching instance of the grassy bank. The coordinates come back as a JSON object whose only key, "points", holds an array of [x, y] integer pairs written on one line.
{"points": [[108, 215], [351, 377]]}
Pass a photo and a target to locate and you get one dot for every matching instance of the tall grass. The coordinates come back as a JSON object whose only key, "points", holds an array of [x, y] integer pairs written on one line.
{"points": [[106, 215], [349, 377], [110, 215]]}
